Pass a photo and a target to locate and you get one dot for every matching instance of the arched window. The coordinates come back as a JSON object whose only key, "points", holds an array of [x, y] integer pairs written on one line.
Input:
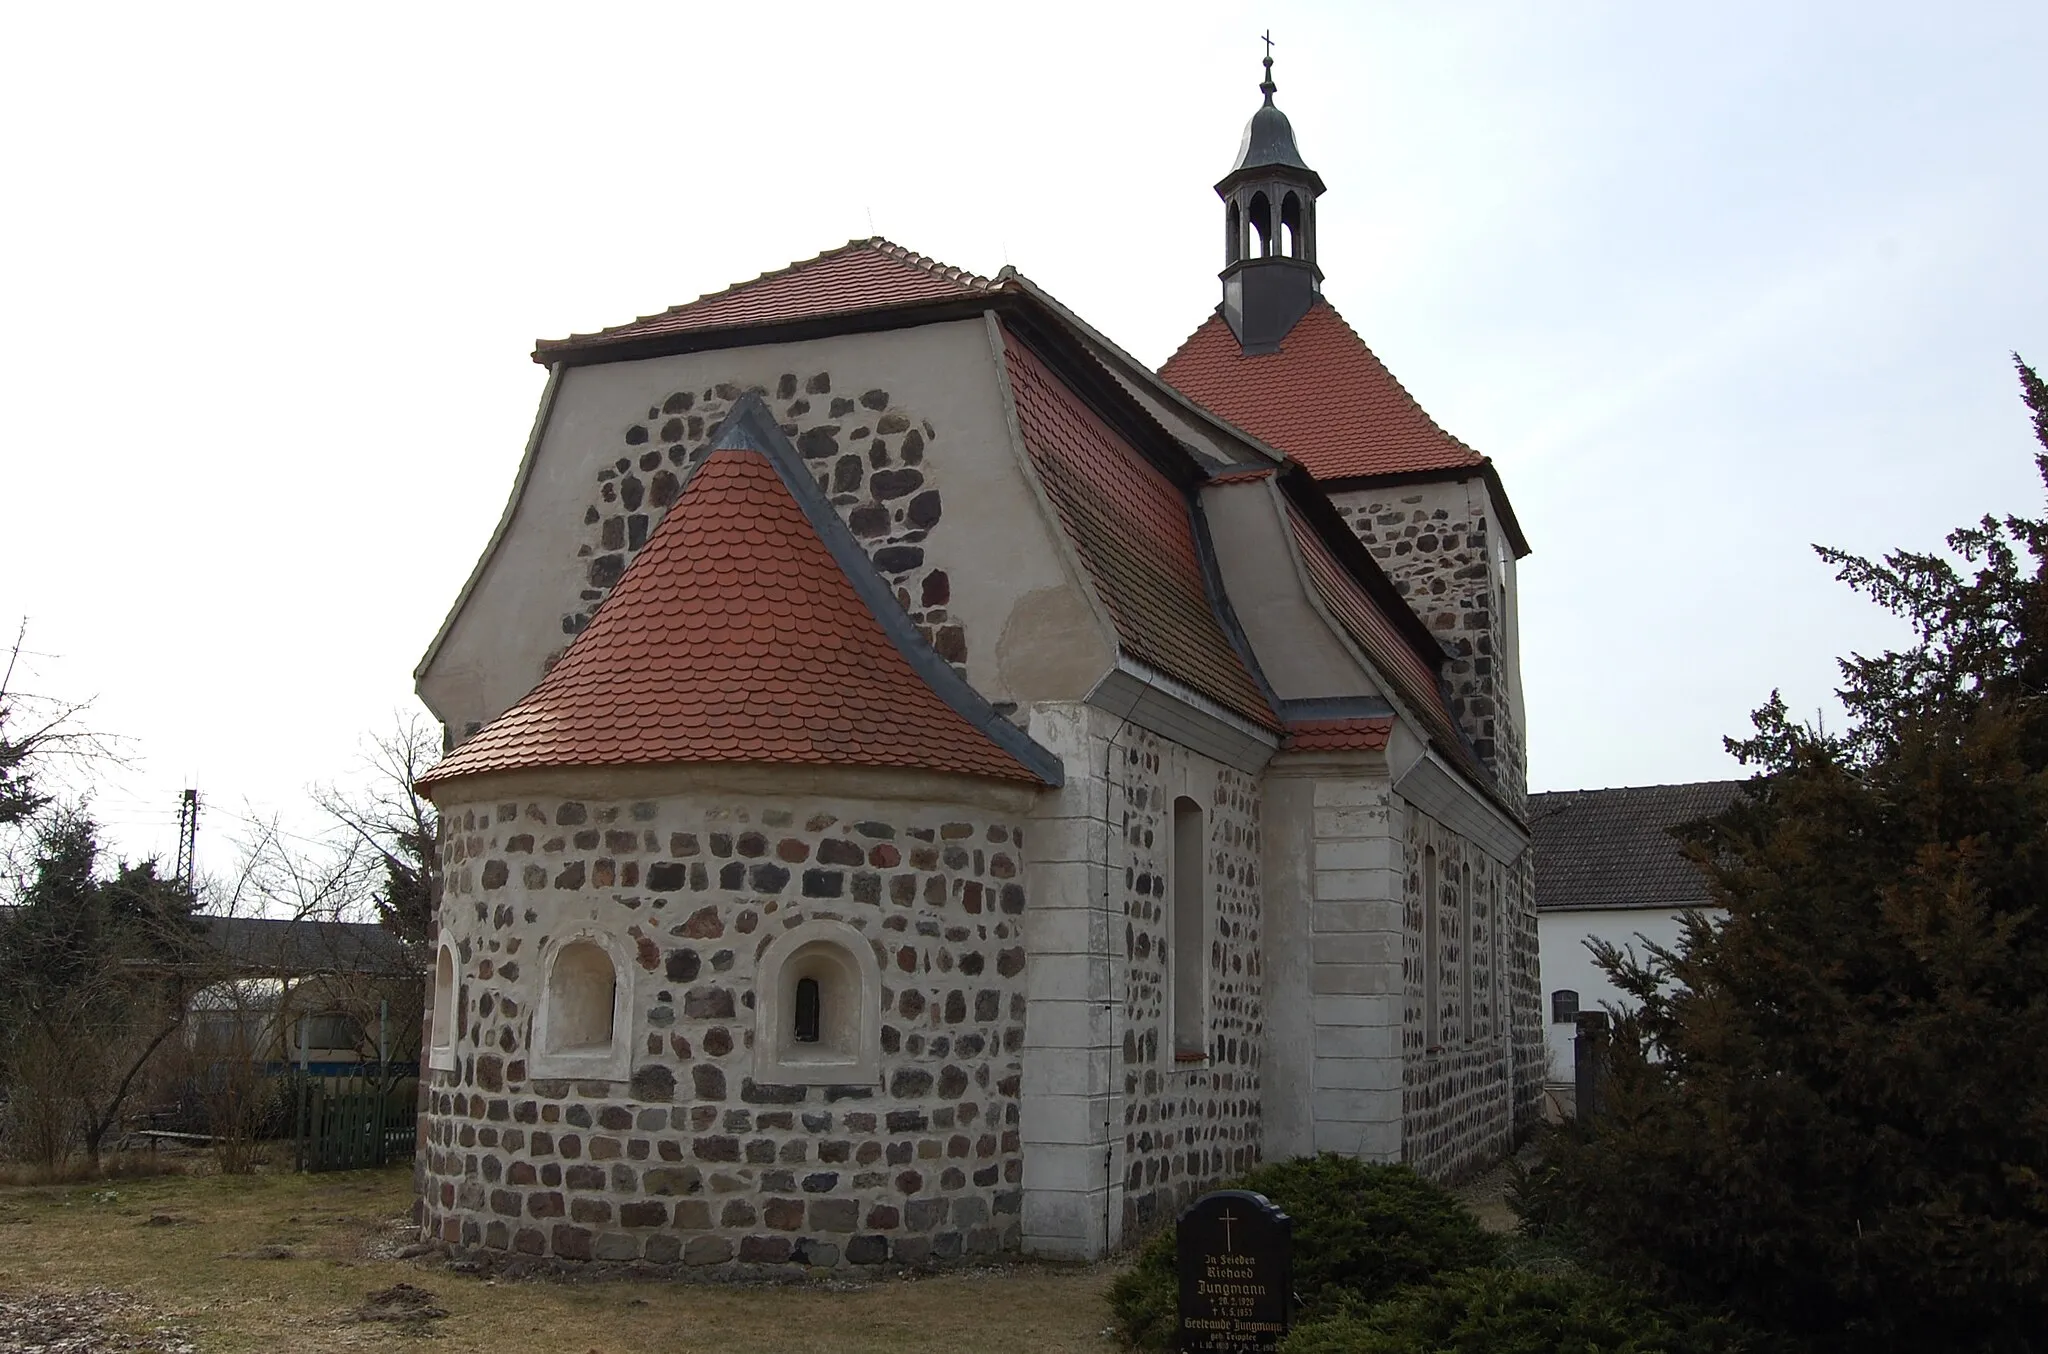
{"points": [[817, 1008], [446, 996], [1233, 232], [1432, 956], [1190, 933], [1496, 977], [1564, 1006], [579, 1028], [1290, 226], [1261, 211], [1467, 922], [809, 1011]]}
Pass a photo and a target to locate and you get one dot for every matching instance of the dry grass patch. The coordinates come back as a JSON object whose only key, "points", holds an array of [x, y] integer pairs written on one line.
{"points": [[77, 1169], [306, 1263]]}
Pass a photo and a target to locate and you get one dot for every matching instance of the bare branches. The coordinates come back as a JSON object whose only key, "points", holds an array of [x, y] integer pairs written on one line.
{"points": [[395, 826], [37, 734]]}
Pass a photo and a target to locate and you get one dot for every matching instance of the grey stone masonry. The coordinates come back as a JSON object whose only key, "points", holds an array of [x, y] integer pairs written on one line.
{"points": [[870, 458], [1120, 1127], [1459, 1094], [1442, 546], [684, 1158], [1189, 1122]]}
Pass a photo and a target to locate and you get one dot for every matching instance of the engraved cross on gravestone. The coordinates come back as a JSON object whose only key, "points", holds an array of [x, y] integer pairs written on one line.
{"points": [[1236, 1255]]}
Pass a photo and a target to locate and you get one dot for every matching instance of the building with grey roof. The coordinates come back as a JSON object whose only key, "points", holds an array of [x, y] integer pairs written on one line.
{"points": [[1607, 867]]}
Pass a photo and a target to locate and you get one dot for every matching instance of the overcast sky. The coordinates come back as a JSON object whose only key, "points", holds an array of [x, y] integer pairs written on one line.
{"points": [[1708, 283]]}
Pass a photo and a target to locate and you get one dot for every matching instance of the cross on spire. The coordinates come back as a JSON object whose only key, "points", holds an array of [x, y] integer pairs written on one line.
{"points": [[1267, 86]]}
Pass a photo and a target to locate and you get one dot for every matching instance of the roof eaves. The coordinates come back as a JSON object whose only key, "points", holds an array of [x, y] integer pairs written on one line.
{"points": [[1098, 388], [1093, 338], [1485, 469], [1225, 612], [747, 334], [944, 272], [520, 479], [1663, 905], [1442, 732], [1307, 496]]}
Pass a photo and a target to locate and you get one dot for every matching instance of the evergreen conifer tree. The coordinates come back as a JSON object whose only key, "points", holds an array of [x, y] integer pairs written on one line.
{"points": [[1829, 1111]]}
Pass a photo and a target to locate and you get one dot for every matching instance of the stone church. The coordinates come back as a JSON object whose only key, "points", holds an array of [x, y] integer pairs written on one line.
{"points": [[923, 784]]}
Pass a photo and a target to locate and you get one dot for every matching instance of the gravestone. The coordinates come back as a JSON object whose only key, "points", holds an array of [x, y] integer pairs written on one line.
{"points": [[1236, 1253]]}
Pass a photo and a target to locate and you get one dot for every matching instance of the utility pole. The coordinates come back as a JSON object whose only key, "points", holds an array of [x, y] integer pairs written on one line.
{"points": [[188, 837]]}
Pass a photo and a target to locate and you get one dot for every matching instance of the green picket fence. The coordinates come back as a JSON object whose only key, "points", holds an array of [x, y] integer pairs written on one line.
{"points": [[352, 1127]]}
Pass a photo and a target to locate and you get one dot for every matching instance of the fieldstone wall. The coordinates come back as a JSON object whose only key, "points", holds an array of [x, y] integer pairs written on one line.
{"points": [[1459, 1103], [690, 1161], [1524, 987], [1435, 542], [1186, 1125], [870, 459]]}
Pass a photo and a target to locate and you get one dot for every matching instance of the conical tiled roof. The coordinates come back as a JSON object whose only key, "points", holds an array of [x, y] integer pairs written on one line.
{"points": [[861, 275], [1324, 398], [736, 635]]}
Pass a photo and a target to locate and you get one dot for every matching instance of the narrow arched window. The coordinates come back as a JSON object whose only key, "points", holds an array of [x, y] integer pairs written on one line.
{"points": [[1466, 929], [582, 990], [1290, 226], [1432, 959], [1190, 933], [583, 1014], [1261, 212], [441, 1050], [807, 1012], [1564, 1006], [1496, 978], [1233, 234], [818, 1006]]}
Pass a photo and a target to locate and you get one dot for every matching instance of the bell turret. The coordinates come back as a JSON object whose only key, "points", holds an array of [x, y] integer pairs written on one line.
{"points": [[1270, 277]]}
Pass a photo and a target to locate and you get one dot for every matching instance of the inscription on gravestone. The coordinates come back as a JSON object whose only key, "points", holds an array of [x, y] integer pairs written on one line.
{"points": [[1236, 1254]]}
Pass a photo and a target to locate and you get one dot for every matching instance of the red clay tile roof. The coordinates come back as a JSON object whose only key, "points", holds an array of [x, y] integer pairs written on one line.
{"points": [[734, 636], [1134, 532], [1323, 398], [1251, 476], [1338, 735], [860, 275], [1376, 637]]}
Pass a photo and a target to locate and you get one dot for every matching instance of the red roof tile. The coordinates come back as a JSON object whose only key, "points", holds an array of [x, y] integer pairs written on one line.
{"points": [[860, 275], [1242, 476], [1376, 637], [1339, 735], [734, 636], [1134, 532], [1323, 398]]}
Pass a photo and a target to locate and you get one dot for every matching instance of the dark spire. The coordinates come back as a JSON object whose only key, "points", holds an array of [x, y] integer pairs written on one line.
{"points": [[1270, 277]]}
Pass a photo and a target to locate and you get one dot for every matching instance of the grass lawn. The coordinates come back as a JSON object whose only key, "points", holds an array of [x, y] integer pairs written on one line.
{"points": [[183, 1252]]}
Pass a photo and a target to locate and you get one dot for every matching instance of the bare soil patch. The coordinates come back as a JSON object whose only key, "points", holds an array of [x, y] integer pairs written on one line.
{"points": [[1485, 1196], [92, 1322]]}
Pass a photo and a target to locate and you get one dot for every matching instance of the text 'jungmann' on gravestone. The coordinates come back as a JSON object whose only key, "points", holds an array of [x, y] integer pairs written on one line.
{"points": [[1235, 1252]]}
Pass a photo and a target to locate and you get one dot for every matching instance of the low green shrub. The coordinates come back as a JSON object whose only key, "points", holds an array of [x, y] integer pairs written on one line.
{"points": [[1360, 1231], [1505, 1311]]}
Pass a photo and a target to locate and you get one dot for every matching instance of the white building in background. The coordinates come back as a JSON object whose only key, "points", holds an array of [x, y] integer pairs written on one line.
{"points": [[1607, 867]]}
